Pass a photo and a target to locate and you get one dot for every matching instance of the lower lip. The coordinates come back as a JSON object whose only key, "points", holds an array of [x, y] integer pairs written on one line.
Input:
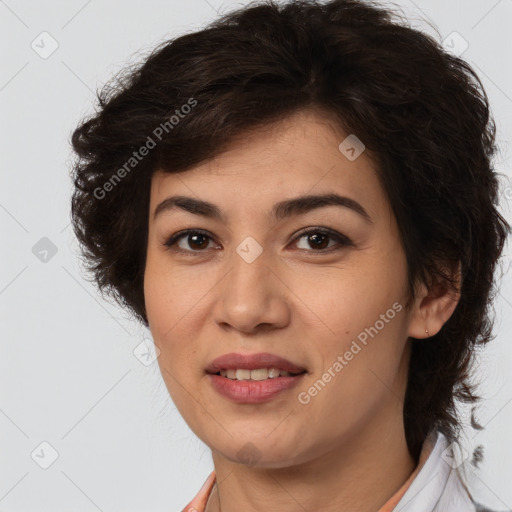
{"points": [[253, 391]]}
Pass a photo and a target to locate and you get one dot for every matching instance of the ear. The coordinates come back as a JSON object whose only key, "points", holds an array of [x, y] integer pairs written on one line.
{"points": [[434, 305]]}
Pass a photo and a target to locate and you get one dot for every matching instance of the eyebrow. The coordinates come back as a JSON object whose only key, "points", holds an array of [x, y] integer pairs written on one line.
{"points": [[284, 209]]}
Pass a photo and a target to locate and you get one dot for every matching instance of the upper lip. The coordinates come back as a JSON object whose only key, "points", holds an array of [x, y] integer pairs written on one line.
{"points": [[252, 362]]}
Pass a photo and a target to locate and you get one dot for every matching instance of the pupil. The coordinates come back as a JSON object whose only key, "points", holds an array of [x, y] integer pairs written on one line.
{"points": [[194, 237], [316, 239]]}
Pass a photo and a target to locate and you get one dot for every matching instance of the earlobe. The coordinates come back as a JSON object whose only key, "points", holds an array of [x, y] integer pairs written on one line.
{"points": [[434, 306]]}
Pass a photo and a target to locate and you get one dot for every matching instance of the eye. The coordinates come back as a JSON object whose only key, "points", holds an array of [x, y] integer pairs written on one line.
{"points": [[198, 240], [316, 237], [194, 237]]}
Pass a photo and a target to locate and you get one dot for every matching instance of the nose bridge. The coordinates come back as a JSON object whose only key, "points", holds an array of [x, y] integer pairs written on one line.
{"points": [[251, 294], [249, 277]]}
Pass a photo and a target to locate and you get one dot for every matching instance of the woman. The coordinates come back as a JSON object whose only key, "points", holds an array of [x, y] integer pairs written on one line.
{"points": [[300, 204]]}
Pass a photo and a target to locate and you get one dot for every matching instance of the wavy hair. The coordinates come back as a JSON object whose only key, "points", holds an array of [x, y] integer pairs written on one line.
{"points": [[421, 111]]}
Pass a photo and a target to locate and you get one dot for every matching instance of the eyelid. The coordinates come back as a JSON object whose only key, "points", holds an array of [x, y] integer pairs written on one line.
{"points": [[342, 240]]}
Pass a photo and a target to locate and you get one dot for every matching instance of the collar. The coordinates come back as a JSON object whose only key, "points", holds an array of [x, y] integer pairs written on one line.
{"points": [[438, 485]]}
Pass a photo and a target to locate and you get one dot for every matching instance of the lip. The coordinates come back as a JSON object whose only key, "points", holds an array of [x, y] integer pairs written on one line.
{"points": [[252, 391], [234, 361]]}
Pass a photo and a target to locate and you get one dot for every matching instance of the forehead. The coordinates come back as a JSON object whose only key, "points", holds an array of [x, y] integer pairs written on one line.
{"points": [[305, 153]]}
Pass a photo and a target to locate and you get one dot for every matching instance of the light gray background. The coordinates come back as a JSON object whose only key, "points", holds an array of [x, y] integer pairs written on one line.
{"points": [[68, 373]]}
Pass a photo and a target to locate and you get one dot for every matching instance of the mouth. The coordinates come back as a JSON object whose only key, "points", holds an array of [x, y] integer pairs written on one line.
{"points": [[260, 366], [253, 378], [257, 374]]}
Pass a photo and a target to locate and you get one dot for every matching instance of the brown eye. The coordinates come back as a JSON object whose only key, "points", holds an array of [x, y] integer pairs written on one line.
{"points": [[193, 241], [197, 241], [319, 239]]}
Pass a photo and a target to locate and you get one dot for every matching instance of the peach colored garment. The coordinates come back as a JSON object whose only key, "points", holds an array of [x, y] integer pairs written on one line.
{"points": [[198, 504]]}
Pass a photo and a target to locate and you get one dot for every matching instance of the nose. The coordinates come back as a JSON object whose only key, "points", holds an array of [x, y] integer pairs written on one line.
{"points": [[252, 297]]}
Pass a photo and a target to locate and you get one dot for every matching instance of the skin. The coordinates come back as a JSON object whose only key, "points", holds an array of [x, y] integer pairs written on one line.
{"points": [[346, 448]]}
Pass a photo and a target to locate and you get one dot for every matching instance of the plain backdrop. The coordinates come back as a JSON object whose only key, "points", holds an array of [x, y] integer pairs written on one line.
{"points": [[86, 423]]}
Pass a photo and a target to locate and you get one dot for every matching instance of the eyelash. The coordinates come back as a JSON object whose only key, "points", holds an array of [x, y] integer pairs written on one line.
{"points": [[341, 239]]}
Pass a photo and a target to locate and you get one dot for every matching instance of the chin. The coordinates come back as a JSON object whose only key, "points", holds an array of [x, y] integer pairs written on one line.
{"points": [[259, 452]]}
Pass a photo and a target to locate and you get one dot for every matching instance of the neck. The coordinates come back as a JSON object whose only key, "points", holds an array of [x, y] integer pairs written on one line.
{"points": [[359, 475]]}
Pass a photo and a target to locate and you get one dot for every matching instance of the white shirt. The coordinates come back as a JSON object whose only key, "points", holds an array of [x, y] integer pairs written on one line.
{"points": [[438, 487]]}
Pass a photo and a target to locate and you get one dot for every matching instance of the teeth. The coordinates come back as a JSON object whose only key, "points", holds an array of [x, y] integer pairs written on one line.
{"points": [[243, 374], [258, 374]]}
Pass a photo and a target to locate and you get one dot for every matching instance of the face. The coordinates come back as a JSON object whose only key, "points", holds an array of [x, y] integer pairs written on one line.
{"points": [[321, 285]]}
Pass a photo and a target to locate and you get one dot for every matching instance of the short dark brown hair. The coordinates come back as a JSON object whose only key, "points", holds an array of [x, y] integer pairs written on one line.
{"points": [[422, 112]]}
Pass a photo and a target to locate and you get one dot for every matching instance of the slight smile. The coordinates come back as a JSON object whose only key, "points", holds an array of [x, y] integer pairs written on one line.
{"points": [[253, 378]]}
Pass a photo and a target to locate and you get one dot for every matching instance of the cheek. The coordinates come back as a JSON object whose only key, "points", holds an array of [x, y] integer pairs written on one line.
{"points": [[346, 301], [167, 294], [357, 379], [363, 320], [173, 306], [164, 309]]}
